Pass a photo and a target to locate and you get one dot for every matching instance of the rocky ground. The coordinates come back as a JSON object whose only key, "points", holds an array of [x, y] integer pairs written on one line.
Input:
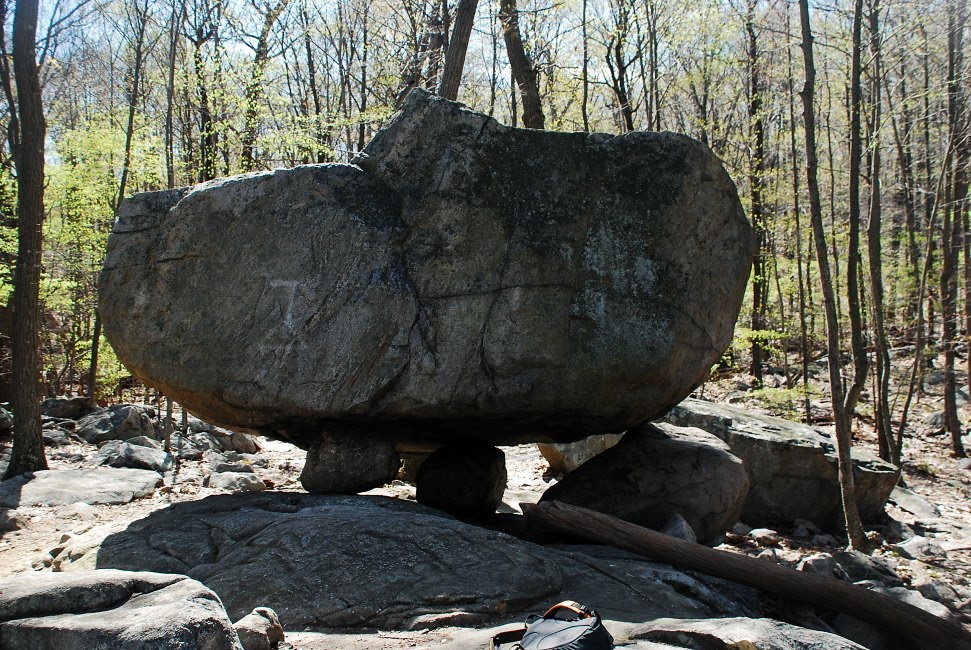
{"points": [[924, 545]]}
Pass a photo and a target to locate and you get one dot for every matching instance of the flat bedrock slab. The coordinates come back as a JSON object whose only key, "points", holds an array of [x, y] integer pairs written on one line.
{"points": [[66, 486], [401, 565], [792, 468], [87, 610], [462, 280]]}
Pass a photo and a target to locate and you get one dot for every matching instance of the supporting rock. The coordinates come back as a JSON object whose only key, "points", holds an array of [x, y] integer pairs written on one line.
{"points": [[791, 466], [653, 474], [342, 463], [463, 480], [259, 630]]}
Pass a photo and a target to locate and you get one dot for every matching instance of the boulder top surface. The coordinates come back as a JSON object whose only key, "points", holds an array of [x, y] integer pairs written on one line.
{"points": [[460, 280]]}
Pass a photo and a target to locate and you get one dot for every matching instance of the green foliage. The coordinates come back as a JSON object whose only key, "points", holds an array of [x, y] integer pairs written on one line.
{"points": [[110, 372], [783, 402], [8, 234], [769, 340]]}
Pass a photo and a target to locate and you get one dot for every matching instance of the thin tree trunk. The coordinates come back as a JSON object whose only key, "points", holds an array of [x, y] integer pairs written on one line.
{"points": [[28, 445], [955, 196], [803, 334], [458, 46], [319, 154], [363, 88], [585, 80], [177, 14], [905, 162], [523, 70], [884, 425], [168, 424], [757, 187], [254, 89], [928, 201], [861, 362], [207, 130], [851, 514]]}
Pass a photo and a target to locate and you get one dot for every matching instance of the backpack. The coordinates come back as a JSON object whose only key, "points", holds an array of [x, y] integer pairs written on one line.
{"points": [[565, 626]]}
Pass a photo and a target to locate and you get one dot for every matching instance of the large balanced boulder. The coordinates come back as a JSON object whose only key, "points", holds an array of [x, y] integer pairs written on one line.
{"points": [[657, 472], [791, 466], [463, 280], [111, 609]]}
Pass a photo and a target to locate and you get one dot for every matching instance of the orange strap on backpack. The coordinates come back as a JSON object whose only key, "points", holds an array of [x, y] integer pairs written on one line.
{"points": [[570, 605]]}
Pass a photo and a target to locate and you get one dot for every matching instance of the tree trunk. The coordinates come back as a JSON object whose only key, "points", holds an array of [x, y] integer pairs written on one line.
{"points": [[522, 68], [584, 78], [851, 513], [319, 153], [801, 281], [363, 88], [861, 362], [207, 129], [254, 89], [884, 426], [458, 46], [760, 277], [955, 200], [177, 17], [28, 445]]}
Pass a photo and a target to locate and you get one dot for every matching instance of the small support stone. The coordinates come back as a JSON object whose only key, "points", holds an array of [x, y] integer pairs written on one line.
{"points": [[463, 479], [347, 463]]}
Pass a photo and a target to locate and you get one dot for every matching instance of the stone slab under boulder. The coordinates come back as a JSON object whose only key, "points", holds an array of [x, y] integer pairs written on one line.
{"points": [[111, 609], [655, 472], [791, 466], [565, 457], [401, 565], [463, 280], [107, 485]]}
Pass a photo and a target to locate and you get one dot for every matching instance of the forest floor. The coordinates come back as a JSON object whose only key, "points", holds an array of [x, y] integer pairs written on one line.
{"points": [[929, 469]]}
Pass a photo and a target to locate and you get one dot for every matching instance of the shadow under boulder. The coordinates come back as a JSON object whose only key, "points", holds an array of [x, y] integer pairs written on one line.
{"points": [[401, 565]]}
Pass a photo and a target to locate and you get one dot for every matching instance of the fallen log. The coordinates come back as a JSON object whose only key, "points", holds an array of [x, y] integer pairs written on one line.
{"points": [[922, 628]]}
